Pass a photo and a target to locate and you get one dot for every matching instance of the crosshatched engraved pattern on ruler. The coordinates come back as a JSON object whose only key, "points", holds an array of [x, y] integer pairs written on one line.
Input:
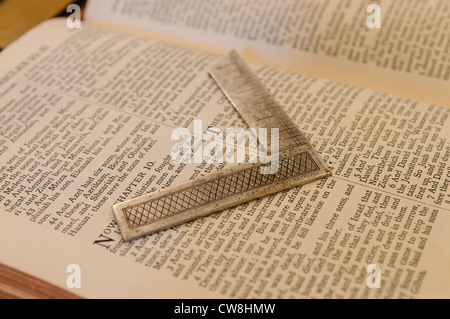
{"points": [[210, 191]]}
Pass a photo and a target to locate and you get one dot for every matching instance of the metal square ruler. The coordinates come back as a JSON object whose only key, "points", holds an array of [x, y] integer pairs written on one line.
{"points": [[298, 163]]}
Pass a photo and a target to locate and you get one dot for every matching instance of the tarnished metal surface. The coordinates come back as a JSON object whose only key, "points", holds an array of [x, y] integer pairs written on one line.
{"points": [[298, 163]]}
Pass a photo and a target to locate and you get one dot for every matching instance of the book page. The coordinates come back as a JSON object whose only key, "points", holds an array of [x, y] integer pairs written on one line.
{"points": [[408, 56], [86, 118]]}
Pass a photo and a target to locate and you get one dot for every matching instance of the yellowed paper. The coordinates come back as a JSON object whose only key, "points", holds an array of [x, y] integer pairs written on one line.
{"points": [[86, 117], [408, 56]]}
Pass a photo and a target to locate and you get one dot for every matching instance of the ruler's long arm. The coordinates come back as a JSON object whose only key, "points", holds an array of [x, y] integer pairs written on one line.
{"points": [[212, 193]]}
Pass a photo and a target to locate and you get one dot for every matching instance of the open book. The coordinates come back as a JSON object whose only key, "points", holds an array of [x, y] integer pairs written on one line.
{"points": [[86, 117]]}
